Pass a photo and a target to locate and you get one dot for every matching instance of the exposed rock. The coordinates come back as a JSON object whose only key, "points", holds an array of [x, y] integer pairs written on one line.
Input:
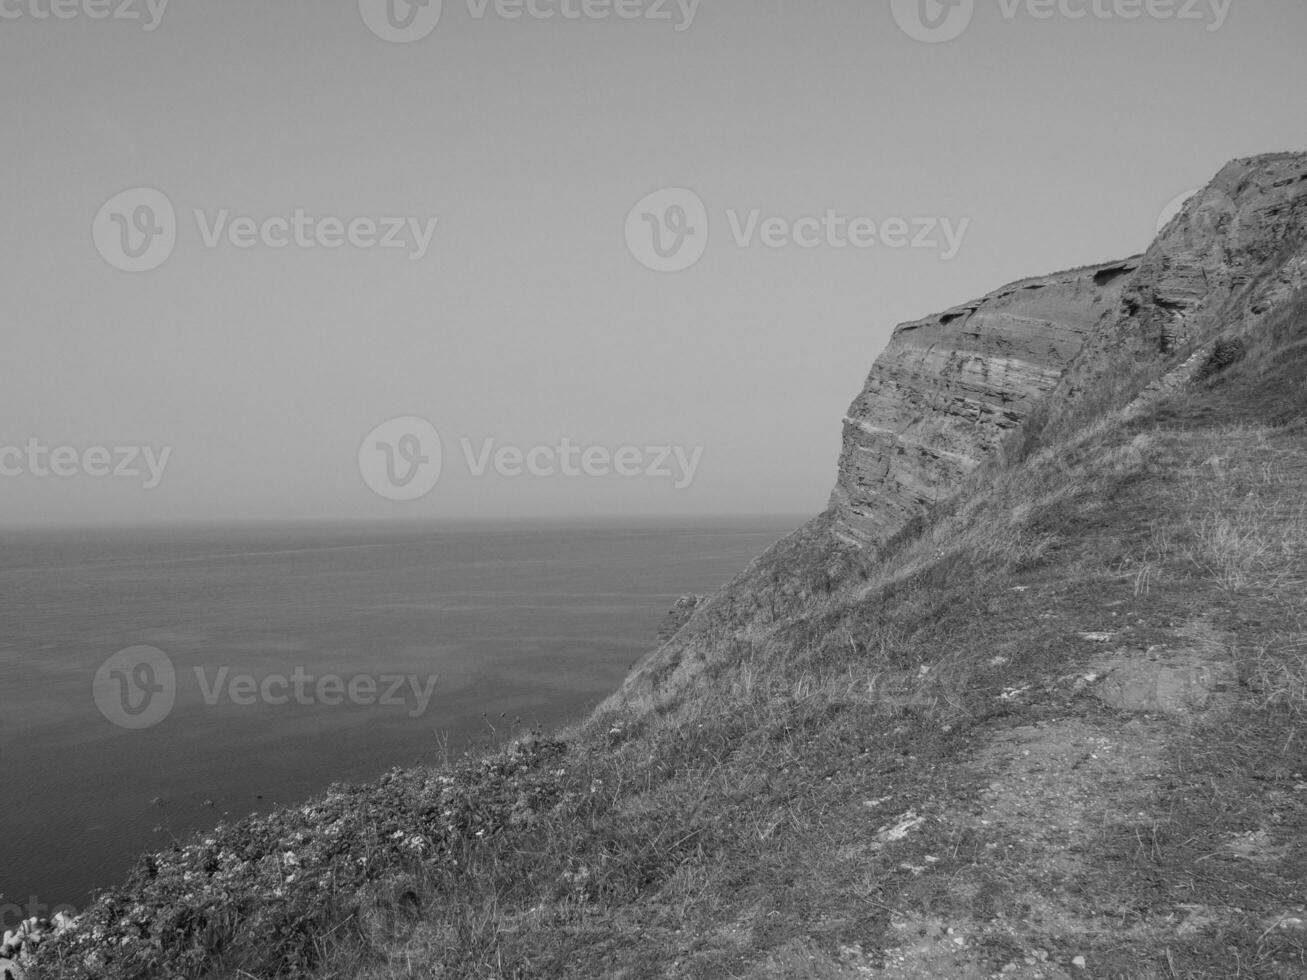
{"points": [[1227, 238], [1234, 254], [948, 389]]}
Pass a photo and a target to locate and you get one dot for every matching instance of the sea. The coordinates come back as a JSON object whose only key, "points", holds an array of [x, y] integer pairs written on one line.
{"points": [[155, 681]]}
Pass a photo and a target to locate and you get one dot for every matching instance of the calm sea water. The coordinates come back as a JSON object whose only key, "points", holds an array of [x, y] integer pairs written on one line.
{"points": [[534, 621]]}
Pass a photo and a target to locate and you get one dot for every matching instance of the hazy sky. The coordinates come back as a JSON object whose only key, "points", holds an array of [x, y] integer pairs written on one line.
{"points": [[1041, 142]]}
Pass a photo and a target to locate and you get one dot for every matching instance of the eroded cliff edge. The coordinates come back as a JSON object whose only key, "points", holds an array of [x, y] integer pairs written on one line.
{"points": [[952, 391], [949, 388]]}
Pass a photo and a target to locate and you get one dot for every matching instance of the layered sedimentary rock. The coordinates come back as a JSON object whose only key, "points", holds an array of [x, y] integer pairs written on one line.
{"points": [[1233, 254], [950, 387]]}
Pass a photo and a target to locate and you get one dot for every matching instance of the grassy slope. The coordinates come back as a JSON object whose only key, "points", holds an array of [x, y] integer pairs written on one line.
{"points": [[905, 768]]}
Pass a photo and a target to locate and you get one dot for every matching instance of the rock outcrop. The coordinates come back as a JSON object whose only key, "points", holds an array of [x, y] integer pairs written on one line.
{"points": [[1235, 252], [949, 389]]}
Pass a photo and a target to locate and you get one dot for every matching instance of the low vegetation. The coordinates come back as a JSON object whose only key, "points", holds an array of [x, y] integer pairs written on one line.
{"points": [[929, 763]]}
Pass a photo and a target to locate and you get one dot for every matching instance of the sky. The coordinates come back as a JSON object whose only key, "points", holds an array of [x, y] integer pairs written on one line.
{"points": [[360, 260]]}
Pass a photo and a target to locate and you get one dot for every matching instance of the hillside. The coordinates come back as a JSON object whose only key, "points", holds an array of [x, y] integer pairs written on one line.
{"points": [[1028, 700]]}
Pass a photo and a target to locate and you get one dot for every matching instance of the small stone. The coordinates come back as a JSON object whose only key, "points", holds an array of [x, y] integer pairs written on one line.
{"points": [[1079, 963]]}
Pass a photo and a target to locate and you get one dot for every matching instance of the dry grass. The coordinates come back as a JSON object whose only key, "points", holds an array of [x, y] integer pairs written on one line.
{"points": [[737, 819]]}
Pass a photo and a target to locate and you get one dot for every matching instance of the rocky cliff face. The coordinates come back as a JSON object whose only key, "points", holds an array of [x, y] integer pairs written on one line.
{"points": [[948, 389], [1235, 252]]}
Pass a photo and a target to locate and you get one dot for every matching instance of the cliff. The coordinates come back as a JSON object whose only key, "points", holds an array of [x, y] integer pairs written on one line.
{"points": [[950, 388], [1025, 701], [954, 391]]}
